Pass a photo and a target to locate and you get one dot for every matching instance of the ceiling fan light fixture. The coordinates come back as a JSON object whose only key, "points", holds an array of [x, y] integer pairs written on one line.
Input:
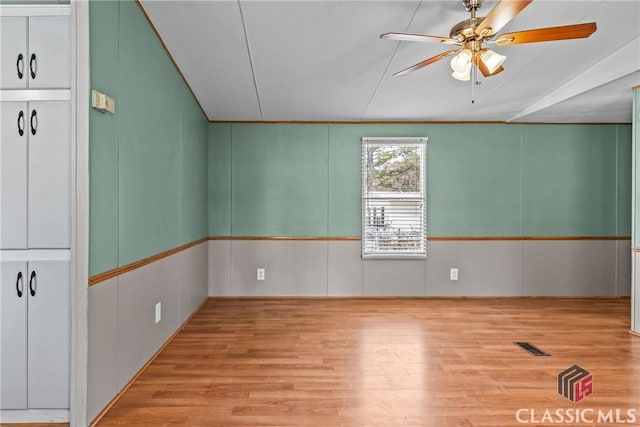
{"points": [[464, 76], [461, 63], [491, 59], [471, 33]]}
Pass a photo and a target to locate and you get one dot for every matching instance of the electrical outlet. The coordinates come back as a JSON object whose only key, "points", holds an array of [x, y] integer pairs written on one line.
{"points": [[102, 102], [453, 274], [158, 312], [260, 274]]}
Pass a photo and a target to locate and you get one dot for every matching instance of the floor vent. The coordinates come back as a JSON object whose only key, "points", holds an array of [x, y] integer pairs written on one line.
{"points": [[531, 349]]}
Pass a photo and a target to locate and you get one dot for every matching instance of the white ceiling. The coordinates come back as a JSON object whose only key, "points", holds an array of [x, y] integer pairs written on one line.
{"points": [[323, 61]]}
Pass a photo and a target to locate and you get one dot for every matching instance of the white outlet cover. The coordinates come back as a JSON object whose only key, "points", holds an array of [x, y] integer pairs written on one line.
{"points": [[453, 274], [260, 274], [158, 312]]}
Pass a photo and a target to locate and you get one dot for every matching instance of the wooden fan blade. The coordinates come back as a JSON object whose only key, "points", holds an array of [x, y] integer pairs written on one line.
{"points": [[500, 16], [425, 63], [407, 37], [578, 31]]}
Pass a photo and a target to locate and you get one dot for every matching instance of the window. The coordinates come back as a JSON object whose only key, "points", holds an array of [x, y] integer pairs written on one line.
{"points": [[393, 198]]}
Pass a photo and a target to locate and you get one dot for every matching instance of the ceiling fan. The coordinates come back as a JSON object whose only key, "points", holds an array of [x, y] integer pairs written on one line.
{"points": [[470, 35]]}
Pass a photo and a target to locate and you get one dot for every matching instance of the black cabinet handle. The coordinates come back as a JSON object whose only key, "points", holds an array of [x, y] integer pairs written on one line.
{"points": [[33, 65], [21, 123], [34, 116], [31, 280], [20, 66], [19, 284]]}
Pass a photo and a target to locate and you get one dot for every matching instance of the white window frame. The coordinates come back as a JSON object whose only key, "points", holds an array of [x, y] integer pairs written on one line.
{"points": [[420, 197]]}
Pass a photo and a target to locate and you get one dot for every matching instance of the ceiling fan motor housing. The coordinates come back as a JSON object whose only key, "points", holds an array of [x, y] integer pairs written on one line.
{"points": [[466, 29]]}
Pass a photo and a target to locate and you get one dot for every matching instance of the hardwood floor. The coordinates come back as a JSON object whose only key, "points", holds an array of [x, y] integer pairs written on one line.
{"points": [[387, 362]]}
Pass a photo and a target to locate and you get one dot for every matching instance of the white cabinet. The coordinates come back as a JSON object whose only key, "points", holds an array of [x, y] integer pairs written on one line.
{"points": [[34, 357], [36, 173], [35, 215], [13, 52], [13, 175], [13, 331], [48, 334], [49, 182], [35, 52]]}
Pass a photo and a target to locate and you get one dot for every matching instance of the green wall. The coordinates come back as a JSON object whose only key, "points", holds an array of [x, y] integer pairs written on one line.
{"points": [[161, 177], [482, 179], [148, 161]]}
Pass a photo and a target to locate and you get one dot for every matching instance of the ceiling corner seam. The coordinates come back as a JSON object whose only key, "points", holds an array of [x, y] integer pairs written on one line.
{"points": [[386, 69], [253, 71]]}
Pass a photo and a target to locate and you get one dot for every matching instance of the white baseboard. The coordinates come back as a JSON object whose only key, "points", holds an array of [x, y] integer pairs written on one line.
{"points": [[34, 416]]}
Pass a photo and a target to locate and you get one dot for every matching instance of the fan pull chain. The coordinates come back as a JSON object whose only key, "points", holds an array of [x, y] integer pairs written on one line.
{"points": [[474, 77], [475, 81]]}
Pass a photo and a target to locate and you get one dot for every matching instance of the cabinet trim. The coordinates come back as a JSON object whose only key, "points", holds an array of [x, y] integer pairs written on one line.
{"points": [[35, 10], [35, 255], [34, 415], [79, 210], [26, 95]]}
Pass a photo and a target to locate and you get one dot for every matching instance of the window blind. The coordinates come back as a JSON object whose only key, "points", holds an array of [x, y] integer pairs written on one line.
{"points": [[393, 197]]}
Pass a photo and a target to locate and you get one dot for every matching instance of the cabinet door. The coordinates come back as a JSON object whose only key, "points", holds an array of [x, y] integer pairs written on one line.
{"points": [[13, 52], [13, 333], [49, 174], [13, 175], [49, 335], [49, 62]]}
